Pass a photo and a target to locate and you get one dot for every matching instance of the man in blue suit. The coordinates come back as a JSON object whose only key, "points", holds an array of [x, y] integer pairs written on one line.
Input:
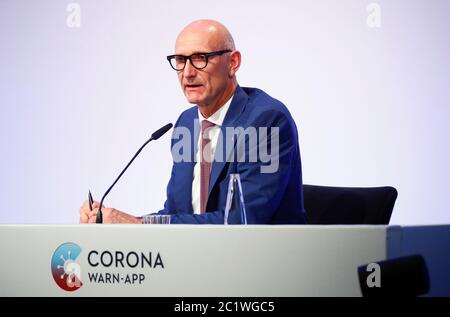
{"points": [[248, 119]]}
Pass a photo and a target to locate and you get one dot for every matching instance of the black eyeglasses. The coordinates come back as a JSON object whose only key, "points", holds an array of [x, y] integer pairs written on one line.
{"points": [[198, 60]]}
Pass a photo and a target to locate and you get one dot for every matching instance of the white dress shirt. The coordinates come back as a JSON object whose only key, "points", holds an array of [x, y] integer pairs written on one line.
{"points": [[216, 118]]}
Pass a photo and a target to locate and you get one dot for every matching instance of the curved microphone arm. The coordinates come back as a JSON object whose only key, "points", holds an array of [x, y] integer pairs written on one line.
{"points": [[155, 136]]}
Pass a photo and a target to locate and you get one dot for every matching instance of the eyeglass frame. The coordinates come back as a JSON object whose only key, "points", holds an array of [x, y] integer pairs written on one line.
{"points": [[188, 58]]}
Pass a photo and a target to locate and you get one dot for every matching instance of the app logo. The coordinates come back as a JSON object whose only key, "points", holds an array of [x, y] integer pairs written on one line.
{"points": [[66, 272]]}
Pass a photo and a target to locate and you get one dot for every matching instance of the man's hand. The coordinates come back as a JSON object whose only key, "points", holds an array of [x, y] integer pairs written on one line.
{"points": [[86, 213], [110, 215]]}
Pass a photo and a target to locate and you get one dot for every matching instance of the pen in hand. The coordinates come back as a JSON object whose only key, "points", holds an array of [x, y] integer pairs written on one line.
{"points": [[91, 200]]}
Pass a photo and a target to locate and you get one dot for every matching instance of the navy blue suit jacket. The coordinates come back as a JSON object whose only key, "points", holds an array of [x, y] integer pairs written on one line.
{"points": [[270, 198]]}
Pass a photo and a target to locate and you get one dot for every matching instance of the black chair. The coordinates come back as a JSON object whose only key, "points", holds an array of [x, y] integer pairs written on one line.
{"points": [[349, 205]]}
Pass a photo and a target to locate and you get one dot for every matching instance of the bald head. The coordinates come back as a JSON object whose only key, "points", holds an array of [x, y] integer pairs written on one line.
{"points": [[210, 34]]}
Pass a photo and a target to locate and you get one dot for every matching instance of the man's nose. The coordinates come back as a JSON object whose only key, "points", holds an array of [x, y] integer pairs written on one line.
{"points": [[189, 70]]}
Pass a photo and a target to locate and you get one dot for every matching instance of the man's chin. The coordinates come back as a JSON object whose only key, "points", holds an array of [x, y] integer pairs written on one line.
{"points": [[193, 99]]}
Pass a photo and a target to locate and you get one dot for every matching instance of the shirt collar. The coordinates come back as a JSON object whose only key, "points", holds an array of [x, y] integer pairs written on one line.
{"points": [[218, 116]]}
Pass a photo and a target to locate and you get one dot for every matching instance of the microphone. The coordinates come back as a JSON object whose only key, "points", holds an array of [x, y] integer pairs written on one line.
{"points": [[155, 136]]}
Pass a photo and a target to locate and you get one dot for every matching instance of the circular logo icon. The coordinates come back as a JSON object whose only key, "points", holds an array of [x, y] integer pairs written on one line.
{"points": [[66, 272]]}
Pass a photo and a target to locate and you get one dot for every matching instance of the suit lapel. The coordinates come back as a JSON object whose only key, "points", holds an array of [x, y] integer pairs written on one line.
{"points": [[237, 106], [187, 170]]}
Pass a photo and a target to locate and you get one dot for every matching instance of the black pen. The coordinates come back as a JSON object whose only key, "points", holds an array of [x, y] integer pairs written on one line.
{"points": [[91, 200]]}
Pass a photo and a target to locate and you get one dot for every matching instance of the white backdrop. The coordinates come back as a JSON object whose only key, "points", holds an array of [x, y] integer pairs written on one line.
{"points": [[371, 103]]}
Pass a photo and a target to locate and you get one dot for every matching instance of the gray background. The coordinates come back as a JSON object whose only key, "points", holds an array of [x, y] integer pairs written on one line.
{"points": [[371, 104]]}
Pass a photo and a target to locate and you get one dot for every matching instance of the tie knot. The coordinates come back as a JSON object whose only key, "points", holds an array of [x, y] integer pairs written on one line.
{"points": [[206, 124]]}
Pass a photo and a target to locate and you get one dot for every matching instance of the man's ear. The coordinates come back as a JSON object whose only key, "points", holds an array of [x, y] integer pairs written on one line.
{"points": [[235, 63]]}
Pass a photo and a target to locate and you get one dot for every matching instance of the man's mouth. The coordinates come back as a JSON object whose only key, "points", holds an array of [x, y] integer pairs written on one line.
{"points": [[192, 86]]}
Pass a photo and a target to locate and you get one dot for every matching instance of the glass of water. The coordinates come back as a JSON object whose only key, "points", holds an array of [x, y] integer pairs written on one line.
{"points": [[235, 205], [156, 219]]}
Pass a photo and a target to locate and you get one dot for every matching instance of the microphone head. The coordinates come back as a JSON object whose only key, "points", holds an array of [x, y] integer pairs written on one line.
{"points": [[159, 133]]}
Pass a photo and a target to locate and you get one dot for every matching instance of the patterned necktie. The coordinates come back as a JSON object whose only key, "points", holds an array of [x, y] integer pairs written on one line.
{"points": [[205, 164]]}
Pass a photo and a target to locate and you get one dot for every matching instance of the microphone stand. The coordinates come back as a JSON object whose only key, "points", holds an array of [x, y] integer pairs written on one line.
{"points": [[155, 136]]}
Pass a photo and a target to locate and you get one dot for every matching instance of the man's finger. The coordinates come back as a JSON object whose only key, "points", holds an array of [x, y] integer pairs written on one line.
{"points": [[84, 212], [93, 212], [92, 219], [95, 205]]}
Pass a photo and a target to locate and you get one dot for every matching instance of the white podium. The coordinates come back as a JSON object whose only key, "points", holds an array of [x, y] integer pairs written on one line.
{"points": [[208, 260]]}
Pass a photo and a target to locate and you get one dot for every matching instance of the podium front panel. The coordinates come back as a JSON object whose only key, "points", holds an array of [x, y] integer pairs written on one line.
{"points": [[187, 260]]}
